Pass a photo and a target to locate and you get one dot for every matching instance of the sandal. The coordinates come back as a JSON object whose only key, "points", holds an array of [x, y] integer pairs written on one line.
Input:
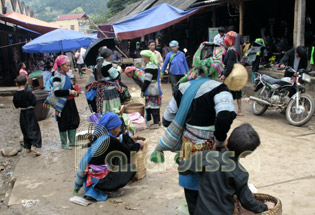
{"points": [[154, 126], [36, 153]]}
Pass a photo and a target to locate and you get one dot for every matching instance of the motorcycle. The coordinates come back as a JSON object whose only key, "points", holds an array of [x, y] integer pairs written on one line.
{"points": [[285, 94]]}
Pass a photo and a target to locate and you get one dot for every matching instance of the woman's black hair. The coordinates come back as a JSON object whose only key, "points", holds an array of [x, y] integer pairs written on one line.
{"points": [[243, 138], [98, 69], [21, 64]]}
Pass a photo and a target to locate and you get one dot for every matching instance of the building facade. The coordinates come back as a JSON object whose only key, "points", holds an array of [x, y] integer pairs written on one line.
{"points": [[12, 38], [76, 22]]}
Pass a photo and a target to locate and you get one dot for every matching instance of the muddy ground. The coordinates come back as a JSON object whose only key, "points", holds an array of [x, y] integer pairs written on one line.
{"points": [[283, 166]]}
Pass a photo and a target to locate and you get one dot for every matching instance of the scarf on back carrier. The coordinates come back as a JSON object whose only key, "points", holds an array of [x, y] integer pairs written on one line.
{"points": [[58, 103]]}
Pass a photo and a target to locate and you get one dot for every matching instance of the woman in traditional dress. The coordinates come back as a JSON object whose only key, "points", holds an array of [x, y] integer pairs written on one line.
{"points": [[197, 118], [230, 59], [151, 88], [105, 167], [106, 84], [136, 74], [66, 110]]}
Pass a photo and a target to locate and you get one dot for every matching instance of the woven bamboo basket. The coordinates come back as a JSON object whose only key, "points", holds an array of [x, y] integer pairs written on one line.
{"points": [[140, 159], [260, 197], [134, 107]]}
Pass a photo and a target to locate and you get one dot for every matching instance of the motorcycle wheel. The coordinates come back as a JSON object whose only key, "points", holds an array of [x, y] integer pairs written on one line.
{"points": [[307, 102], [257, 108]]}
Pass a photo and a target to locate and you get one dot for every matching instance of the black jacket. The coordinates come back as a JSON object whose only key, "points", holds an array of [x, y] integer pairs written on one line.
{"points": [[288, 60], [221, 177], [203, 112], [229, 60]]}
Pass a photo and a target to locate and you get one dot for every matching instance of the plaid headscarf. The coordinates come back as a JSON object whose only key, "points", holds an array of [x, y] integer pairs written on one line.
{"points": [[151, 55], [211, 66], [60, 60]]}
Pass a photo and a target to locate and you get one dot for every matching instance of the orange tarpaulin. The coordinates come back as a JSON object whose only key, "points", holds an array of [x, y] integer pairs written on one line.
{"points": [[29, 22]]}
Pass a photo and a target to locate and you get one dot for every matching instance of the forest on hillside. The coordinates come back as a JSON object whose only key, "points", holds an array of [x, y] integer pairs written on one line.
{"points": [[98, 10]]}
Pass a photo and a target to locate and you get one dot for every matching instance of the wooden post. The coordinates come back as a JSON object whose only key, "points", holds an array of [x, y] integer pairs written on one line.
{"points": [[295, 23], [299, 22], [214, 17], [241, 24]]}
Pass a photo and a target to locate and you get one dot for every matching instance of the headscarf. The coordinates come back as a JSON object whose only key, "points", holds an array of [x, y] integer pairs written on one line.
{"points": [[211, 66], [105, 52], [110, 121], [230, 38], [130, 69], [151, 55], [260, 41], [60, 60], [173, 43]]}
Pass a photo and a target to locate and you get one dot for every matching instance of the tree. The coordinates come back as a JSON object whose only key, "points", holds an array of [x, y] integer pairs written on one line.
{"points": [[118, 5]]}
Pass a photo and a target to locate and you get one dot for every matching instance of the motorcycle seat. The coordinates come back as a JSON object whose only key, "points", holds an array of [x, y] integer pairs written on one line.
{"points": [[272, 80]]}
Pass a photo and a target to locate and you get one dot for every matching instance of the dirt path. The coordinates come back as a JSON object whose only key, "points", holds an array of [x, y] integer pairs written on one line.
{"points": [[283, 166]]}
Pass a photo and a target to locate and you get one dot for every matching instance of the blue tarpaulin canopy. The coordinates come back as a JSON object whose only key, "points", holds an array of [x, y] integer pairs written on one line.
{"points": [[60, 40], [149, 21]]}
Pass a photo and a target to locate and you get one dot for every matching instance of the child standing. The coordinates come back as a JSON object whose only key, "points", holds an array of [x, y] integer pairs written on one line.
{"points": [[22, 70], [26, 101], [222, 176]]}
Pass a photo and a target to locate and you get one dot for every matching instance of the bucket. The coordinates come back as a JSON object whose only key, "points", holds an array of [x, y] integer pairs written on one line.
{"points": [[41, 113]]}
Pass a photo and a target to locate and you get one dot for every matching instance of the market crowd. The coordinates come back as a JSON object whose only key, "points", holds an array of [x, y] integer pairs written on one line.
{"points": [[198, 118]]}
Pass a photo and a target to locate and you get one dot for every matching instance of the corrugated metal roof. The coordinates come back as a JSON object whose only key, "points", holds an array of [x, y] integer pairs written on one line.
{"points": [[143, 5], [70, 16], [131, 10], [177, 3]]}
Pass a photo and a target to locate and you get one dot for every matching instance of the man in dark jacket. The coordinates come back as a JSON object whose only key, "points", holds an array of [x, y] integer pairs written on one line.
{"points": [[295, 58]]}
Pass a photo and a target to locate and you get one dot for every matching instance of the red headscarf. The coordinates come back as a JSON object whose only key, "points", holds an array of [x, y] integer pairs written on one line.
{"points": [[229, 38]]}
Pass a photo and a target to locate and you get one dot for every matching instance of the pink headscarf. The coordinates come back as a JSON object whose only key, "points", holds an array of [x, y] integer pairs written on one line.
{"points": [[60, 60], [230, 38], [130, 68]]}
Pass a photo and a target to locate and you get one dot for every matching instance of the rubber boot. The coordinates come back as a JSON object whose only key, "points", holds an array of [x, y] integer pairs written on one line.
{"points": [[72, 136], [63, 138], [253, 77]]}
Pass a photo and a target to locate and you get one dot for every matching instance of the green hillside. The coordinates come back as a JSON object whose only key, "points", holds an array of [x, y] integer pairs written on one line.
{"points": [[49, 10], [98, 10]]}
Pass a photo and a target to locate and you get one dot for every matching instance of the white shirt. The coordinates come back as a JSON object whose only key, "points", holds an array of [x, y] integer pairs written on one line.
{"points": [[218, 39], [79, 56], [296, 63]]}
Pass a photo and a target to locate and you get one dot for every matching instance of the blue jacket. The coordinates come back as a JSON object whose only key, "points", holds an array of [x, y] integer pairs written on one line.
{"points": [[178, 65]]}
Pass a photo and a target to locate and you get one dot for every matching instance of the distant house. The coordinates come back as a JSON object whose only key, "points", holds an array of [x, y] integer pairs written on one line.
{"points": [[77, 22]]}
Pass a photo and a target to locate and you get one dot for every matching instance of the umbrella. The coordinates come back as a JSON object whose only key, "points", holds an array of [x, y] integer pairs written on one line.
{"points": [[35, 74], [92, 52], [60, 40], [237, 78]]}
